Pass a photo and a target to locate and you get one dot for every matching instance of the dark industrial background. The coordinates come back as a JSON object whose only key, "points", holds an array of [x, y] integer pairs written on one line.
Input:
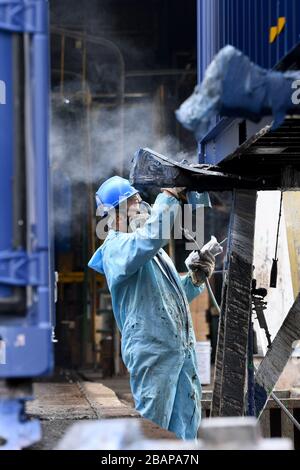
{"points": [[119, 70]]}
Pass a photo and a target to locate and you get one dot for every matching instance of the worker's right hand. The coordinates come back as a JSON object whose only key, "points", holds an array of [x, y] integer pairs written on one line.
{"points": [[179, 193], [201, 265]]}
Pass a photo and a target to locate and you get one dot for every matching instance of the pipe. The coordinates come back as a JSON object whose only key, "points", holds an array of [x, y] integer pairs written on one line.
{"points": [[212, 296], [91, 218], [101, 42], [118, 54]]}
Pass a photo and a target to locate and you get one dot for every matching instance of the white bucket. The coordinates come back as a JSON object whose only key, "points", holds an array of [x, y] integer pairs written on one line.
{"points": [[203, 355]]}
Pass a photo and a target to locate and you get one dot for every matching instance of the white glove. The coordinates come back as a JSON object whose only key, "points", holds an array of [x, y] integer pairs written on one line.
{"points": [[200, 265]]}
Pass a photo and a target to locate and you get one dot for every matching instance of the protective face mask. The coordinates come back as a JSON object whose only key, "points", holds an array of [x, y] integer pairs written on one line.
{"points": [[139, 219]]}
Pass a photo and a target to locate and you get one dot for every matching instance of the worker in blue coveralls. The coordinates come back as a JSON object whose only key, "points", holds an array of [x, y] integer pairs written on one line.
{"points": [[151, 304]]}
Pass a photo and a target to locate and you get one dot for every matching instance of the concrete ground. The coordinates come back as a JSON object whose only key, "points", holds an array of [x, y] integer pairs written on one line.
{"points": [[68, 399]]}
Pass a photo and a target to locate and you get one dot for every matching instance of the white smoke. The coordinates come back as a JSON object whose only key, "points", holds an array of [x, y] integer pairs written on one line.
{"points": [[90, 151], [88, 146]]}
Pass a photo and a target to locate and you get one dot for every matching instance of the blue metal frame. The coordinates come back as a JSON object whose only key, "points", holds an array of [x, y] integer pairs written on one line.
{"points": [[26, 335], [6, 148], [246, 25], [24, 16]]}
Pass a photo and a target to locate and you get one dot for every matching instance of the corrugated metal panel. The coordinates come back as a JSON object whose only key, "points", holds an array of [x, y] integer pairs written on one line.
{"points": [[246, 24]]}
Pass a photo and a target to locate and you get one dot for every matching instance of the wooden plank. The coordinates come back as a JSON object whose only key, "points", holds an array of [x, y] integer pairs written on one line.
{"points": [[271, 367], [231, 365]]}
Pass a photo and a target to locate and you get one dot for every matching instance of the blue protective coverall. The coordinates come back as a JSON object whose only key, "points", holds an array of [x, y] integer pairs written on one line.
{"points": [[150, 304]]}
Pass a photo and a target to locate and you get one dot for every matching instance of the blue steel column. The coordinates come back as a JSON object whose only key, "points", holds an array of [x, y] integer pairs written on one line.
{"points": [[203, 39], [198, 41], [6, 148], [201, 51], [40, 98], [207, 39], [27, 337]]}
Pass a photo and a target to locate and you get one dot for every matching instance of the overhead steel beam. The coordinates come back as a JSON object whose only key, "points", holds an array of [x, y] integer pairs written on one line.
{"points": [[150, 168]]}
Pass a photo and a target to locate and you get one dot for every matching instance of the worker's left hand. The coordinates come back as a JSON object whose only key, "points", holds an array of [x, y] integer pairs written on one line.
{"points": [[201, 265]]}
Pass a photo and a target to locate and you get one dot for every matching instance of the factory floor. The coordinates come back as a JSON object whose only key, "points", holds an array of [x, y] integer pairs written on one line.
{"points": [[68, 398]]}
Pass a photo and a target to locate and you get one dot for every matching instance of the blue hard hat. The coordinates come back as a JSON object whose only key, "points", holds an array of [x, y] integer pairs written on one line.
{"points": [[112, 192]]}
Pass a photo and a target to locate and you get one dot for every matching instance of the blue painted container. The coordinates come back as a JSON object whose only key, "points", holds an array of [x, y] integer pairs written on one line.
{"points": [[6, 148], [265, 30], [26, 282], [246, 24]]}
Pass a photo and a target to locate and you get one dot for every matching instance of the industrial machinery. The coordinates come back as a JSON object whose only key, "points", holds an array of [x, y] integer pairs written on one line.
{"points": [[26, 281]]}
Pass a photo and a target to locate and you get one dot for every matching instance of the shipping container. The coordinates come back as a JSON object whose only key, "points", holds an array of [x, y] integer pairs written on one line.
{"points": [[265, 30]]}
